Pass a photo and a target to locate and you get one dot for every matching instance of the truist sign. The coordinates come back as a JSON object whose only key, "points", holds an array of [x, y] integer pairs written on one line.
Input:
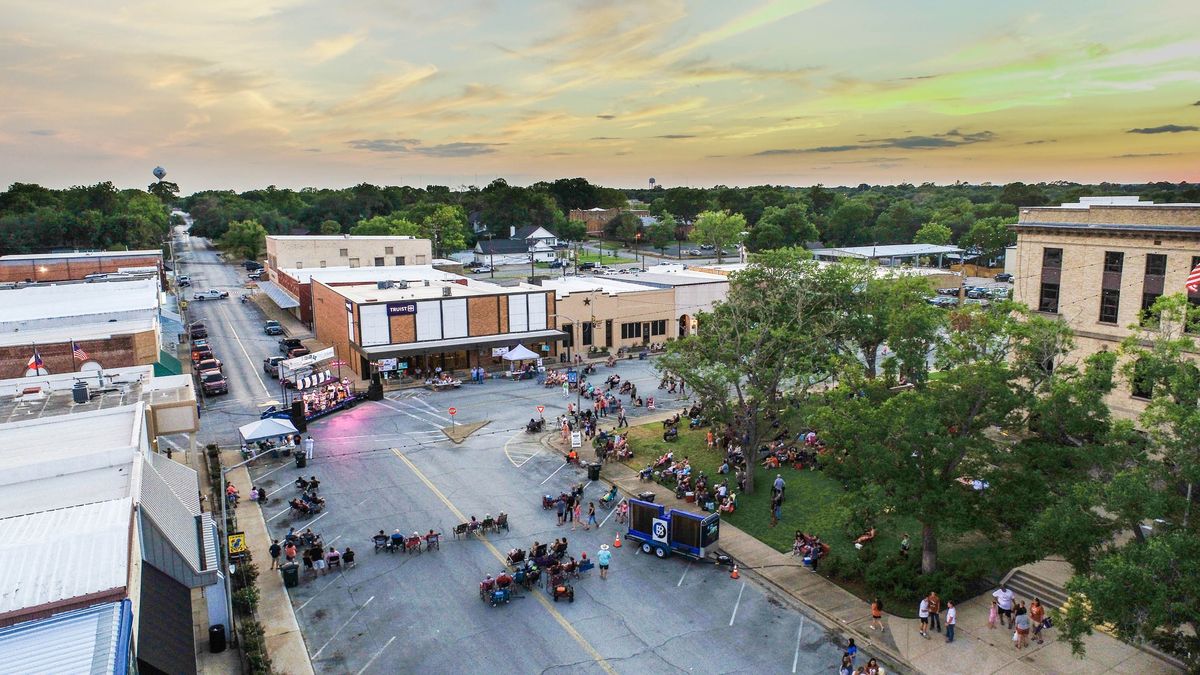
{"points": [[401, 308]]}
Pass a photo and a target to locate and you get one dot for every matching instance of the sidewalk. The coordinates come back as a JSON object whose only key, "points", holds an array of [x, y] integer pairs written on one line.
{"points": [[900, 648], [285, 643]]}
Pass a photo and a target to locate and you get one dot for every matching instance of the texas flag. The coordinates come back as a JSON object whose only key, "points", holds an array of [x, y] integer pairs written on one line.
{"points": [[35, 362]]}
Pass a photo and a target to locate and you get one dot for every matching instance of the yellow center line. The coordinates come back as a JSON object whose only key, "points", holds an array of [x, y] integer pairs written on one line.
{"points": [[562, 620]]}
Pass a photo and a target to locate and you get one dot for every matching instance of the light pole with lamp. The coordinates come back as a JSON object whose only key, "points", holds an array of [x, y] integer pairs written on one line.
{"points": [[225, 566]]}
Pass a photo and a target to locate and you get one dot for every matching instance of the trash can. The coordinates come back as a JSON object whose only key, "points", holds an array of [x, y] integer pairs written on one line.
{"points": [[301, 459], [216, 638], [646, 496], [291, 575], [594, 471]]}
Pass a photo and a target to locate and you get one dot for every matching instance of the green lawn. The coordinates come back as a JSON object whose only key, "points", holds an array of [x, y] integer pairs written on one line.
{"points": [[605, 259]]}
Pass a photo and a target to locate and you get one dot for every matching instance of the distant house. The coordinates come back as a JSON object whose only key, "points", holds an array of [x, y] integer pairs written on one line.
{"points": [[531, 239]]}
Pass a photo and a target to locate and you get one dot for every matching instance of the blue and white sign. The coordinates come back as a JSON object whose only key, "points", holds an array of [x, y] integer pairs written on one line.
{"points": [[659, 530], [401, 308]]}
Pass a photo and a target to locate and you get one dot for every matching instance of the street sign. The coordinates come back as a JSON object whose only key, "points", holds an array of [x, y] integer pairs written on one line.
{"points": [[572, 376], [453, 411], [237, 543], [541, 409], [576, 439]]}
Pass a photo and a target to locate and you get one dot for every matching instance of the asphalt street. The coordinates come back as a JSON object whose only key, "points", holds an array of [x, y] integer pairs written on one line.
{"points": [[387, 465]]}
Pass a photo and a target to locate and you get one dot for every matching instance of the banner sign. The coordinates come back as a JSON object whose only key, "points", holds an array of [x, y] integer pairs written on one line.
{"points": [[307, 360], [387, 364], [401, 308]]}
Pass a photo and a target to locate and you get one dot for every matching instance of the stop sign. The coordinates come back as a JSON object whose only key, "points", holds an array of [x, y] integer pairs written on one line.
{"points": [[541, 408], [454, 411]]}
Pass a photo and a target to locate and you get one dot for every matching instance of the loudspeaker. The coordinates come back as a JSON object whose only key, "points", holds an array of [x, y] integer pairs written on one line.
{"points": [[375, 392], [298, 420]]}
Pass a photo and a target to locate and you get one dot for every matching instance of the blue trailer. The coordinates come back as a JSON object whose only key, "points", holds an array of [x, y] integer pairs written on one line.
{"points": [[663, 532]]}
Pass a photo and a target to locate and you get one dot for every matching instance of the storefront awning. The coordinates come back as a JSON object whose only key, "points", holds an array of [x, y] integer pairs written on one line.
{"points": [[278, 295], [477, 342]]}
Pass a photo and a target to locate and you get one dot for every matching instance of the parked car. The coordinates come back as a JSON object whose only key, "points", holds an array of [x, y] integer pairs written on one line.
{"points": [[948, 291], [210, 294], [200, 343], [255, 275], [976, 293], [558, 264], [272, 327], [473, 264], [695, 251], [213, 382], [288, 344], [271, 365], [942, 301], [706, 247], [1004, 276], [199, 355], [207, 365], [298, 351], [183, 281], [198, 334], [484, 269], [251, 265], [587, 266], [998, 293]]}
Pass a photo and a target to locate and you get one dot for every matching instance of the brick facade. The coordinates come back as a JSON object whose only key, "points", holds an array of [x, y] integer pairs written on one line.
{"points": [[73, 267], [118, 351], [1087, 267], [329, 322]]}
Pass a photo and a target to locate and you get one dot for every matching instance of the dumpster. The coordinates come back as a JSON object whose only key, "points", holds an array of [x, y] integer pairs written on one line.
{"points": [[291, 575], [216, 638], [301, 459], [594, 471]]}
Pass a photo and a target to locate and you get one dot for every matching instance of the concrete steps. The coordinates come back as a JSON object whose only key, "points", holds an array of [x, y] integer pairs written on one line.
{"points": [[1028, 586]]}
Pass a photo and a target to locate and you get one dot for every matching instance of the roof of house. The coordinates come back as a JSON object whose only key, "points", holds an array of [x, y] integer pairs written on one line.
{"points": [[529, 230], [89, 640], [502, 246], [170, 498], [64, 554]]}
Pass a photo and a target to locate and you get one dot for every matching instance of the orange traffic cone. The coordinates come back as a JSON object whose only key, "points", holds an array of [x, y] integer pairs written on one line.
{"points": [[734, 574], [617, 541]]}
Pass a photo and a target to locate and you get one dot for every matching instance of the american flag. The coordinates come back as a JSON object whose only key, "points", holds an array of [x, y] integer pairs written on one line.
{"points": [[78, 352], [1193, 281], [35, 362]]}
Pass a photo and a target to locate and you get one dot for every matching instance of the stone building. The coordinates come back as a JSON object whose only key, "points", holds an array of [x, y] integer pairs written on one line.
{"points": [[1100, 263]]}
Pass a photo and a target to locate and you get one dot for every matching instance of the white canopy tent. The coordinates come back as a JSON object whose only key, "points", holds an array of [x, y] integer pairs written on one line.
{"points": [[520, 353], [272, 427]]}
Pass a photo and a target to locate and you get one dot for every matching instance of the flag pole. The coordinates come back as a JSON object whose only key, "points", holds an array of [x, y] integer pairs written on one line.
{"points": [[74, 361]]}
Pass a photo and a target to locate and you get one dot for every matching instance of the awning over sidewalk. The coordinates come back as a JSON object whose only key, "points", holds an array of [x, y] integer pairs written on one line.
{"points": [[278, 295], [477, 342]]}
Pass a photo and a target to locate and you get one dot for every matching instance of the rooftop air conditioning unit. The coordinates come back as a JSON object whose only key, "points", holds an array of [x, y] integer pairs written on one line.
{"points": [[383, 284], [401, 284], [445, 291], [426, 282]]}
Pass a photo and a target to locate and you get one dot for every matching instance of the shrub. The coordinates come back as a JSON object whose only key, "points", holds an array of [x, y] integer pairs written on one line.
{"points": [[254, 647], [246, 600]]}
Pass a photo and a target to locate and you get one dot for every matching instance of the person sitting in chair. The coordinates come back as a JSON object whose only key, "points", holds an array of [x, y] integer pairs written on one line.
{"points": [[504, 580]]}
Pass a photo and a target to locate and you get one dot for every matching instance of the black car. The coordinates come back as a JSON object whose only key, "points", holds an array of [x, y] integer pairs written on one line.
{"points": [[587, 266], [1003, 276], [251, 265], [288, 344]]}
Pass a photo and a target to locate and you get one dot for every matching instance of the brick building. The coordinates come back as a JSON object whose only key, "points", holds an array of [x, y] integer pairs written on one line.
{"points": [[448, 324], [607, 314], [292, 288], [595, 219], [1099, 263], [41, 267], [115, 323]]}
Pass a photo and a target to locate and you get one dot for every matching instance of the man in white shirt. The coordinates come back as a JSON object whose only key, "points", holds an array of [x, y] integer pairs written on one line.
{"points": [[308, 448], [923, 615], [1004, 600], [951, 620]]}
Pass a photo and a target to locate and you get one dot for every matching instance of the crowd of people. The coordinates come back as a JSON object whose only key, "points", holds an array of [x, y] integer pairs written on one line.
{"points": [[307, 546]]}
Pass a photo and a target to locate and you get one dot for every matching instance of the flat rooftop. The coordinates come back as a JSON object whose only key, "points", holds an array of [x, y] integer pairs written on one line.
{"points": [[50, 395], [334, 275], [81, 254], [886, 251], [338, 237], [609, 285], [95, 330], [367, 293], [53, 462], [676, 275], [50, 301]]}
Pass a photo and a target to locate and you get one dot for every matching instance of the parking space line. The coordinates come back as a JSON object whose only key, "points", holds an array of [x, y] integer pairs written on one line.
{"points": [[271, 471], [736, 604], [541, 598], [335, 633], [682, 576], [279, 514], [432, 410], [272, 492], [385, 646], [319, 592], [796, 658], [552, 475], [309, 523]]}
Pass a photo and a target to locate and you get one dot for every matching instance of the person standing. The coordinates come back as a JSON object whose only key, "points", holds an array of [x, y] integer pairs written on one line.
{"points": [[923, 615], [1037, 615], [951, 620], [275, 550], [561, 507], [577, 512], [591, 516], [566, 389], [1021, 624], [1004, 601], [904, 545], [621, 421], [775, 509], [604, 559], [290, 552], [877, 615], [308, 447], [935, 606], [778, 485], [852, 652]]}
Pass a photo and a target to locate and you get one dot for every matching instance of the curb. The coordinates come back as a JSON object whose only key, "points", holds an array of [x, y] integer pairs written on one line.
{"points": [[897, 663]]}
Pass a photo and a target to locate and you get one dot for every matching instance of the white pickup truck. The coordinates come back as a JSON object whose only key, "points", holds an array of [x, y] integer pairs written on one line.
{"points": [[210, 294]]}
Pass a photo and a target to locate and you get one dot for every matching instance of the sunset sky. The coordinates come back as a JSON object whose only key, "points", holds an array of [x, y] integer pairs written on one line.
{"points": [[243, 93]]}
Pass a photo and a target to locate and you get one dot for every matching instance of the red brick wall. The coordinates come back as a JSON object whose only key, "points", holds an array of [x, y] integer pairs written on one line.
{"points": [[119, 351], [71, 269], [329, 322]]}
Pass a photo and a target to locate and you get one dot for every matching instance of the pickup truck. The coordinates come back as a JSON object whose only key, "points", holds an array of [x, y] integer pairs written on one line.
{"points": [[213, 382], [288, 344], [210, 294], [206, 365], [271, 365], [183, 280]]}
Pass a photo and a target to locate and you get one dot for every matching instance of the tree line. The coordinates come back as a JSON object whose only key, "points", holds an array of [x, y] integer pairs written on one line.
{"points": [[771, 216]]}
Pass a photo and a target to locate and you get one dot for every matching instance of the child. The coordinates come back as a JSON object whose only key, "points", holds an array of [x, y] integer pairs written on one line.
{"points": [[993, 614]]}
